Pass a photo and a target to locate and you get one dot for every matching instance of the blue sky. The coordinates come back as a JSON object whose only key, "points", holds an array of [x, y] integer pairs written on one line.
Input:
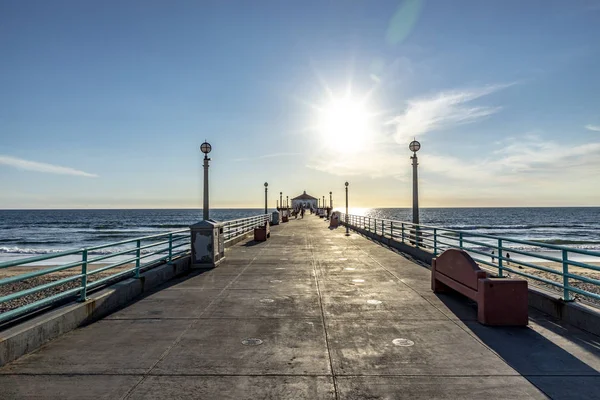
{"points": [[105, 104]]}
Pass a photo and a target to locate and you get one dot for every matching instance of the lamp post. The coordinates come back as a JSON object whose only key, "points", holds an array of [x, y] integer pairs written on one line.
{"points": [[205, 148], [323, 203], [414, 146], [287, 204], [266, 184], [330, 201], [347, 229], [281, 200]]}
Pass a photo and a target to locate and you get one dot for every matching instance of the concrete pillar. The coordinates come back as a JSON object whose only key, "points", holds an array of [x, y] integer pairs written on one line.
{"points": [[415, 189], [266, 206], [347, 228], [205, 215]]}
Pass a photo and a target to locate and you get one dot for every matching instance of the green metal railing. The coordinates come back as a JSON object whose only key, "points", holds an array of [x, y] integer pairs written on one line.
{"points": [[480, 246], [57, 277], [91, 269], [237, 227]]}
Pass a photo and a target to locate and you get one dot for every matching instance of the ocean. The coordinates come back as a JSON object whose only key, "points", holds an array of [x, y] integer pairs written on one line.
{"points": [[26, 233]]}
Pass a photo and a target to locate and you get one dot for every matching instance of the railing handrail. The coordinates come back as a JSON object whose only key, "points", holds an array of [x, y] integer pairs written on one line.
{"points": [[159, 249], [50, 256], [485, 235], [428, 237]]}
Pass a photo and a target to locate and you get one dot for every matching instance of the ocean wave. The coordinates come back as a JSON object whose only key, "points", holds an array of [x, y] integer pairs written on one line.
{"points": [[533, 249], [169, 226], [20, 250], [567, 241], [34, 251], [519, 227]]}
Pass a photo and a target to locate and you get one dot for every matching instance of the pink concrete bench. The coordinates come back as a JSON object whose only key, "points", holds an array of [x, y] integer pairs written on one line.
{"points": [[263, 233], [500, 301]]}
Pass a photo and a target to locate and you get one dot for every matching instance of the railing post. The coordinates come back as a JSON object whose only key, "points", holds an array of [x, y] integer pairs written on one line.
{"points": [[84, 265], [416, 236], [137, 259], [434, 242], [403, 232], [382, 228], [460, 240], [565, 265], [500, 269], [170, 246], [392, 229]]}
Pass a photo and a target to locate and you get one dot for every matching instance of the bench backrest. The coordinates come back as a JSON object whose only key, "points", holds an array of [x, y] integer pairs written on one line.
{"points": [[458, 265]]}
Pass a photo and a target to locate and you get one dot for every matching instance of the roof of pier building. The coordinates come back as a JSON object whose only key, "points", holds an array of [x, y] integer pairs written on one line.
{"points": [[304, 196]]}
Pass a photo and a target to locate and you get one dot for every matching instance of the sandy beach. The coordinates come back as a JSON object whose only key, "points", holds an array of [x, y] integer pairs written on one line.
{"points": [[558, 278]]}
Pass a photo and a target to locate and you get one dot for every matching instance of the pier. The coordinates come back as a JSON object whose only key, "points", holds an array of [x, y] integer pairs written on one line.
{"points": [[308, 314]]}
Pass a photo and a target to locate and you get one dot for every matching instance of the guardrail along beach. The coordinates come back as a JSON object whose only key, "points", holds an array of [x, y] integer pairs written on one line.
{"points": [[570, 270]]}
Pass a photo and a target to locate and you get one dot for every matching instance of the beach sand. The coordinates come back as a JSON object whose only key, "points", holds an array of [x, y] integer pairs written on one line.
{"points": [[589, 287]]}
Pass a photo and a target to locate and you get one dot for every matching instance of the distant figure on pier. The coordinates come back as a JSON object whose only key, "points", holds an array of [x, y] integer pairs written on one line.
{"points": [[493, 258], [507, 258], [302, 212]]}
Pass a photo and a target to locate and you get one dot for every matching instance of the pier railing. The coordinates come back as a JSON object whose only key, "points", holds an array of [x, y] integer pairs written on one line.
{"points": [[238, 227], [43, 280], [30, 284], [570, 270]]}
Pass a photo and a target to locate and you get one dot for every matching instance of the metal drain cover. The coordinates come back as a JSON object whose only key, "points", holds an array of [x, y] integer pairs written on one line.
{"points": [[403, 342], [373, 301], [251, 342]]}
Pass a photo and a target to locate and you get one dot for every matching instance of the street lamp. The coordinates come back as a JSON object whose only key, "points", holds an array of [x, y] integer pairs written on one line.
{"points": [[414, 146], [330, 201], [281, 200], [266, 184], [205, 148], [347, 229]]}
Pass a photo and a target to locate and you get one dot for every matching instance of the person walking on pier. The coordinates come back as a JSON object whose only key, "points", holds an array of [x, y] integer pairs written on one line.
{"points": [[302, 212]]}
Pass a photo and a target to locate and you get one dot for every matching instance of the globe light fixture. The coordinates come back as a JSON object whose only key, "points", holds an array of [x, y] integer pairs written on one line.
{"points": [[414, 146], [205, 147]]}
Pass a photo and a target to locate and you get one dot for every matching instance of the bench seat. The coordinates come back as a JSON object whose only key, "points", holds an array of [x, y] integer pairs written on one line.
{"points": [[500, 301]]}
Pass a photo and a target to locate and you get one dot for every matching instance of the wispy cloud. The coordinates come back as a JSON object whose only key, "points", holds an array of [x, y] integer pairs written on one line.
{"points": [[595, 128], [267, 156], [445, 109], [42, 167]]}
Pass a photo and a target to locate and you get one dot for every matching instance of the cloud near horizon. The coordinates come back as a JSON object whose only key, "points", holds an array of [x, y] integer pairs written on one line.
{"points": [[267, 156], [443, 110], [42, 167], [595, 128]]}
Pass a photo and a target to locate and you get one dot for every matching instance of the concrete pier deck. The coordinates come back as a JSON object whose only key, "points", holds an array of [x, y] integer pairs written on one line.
{"points": [[338, 317]]}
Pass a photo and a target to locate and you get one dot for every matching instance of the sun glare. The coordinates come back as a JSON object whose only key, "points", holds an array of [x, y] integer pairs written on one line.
{"points": [[344, 125]]}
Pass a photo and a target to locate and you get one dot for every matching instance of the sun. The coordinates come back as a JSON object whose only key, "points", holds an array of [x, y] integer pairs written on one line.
{"points": [[344, 124]]}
